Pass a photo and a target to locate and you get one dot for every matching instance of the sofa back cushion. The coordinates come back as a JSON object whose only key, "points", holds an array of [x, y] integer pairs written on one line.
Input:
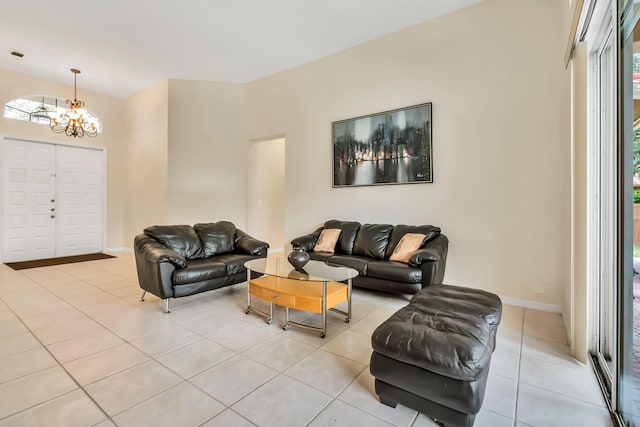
{"points": [[347, 236], [372, 240], [217, 237], [399, 231], [179, 238], [327, 240]]}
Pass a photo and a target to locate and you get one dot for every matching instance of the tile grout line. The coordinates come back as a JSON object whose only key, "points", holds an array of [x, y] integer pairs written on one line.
{"points": [[42, 286], [515, 406], [54, 358], [33, 334], [334, 398], [412, 421], [545, 361]]}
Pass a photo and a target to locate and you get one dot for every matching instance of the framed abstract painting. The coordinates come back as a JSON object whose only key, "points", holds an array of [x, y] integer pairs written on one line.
{"points": [[392, 147]]}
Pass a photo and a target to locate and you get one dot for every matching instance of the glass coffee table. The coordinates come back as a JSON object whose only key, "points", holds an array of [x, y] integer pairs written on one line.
{"points": [[317, 289]]}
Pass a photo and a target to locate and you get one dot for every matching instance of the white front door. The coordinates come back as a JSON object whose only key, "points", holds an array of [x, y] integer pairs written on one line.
{"points": [[52, 200], [28, 199], [79, 201]]}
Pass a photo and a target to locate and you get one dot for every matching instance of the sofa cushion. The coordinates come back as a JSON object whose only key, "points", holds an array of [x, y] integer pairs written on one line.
{"points": [[394, 271], [234, 262], [327, 240], [372, 240], [198, 270], [217, 237], [445, 336], [407, 246], [180, 238], [357, 263], [400, 230], [321, 256], [347, 236], [469, 301]]}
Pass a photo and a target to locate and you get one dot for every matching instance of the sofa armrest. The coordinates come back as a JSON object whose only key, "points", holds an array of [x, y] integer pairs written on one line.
{"points": [[155, 264], [247, 244], [308, 241], [153, 251], [432, 259]]}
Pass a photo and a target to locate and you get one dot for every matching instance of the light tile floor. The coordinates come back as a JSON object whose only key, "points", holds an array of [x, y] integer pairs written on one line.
{"points": [[78, 348]]}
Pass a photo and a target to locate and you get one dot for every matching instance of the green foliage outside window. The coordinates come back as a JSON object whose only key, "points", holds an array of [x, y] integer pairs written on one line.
{"points": [[636, 152], [636, 62], [636, 132]]}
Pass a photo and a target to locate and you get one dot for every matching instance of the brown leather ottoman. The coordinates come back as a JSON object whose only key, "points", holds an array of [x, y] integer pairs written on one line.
{"points": [[433, 355]]}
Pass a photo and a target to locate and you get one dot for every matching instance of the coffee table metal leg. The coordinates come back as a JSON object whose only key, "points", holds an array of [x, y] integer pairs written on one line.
{"points": [[348, 301], [346, 314], [248, 294], [324, 310], [250, 308], [286, 319]]}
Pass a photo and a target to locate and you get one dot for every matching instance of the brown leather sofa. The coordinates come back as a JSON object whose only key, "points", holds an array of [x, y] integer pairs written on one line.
{"points": [[179, 260], [367, 248]]}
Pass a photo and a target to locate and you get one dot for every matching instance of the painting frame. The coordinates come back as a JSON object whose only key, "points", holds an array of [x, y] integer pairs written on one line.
{"points": [[387, 148]]}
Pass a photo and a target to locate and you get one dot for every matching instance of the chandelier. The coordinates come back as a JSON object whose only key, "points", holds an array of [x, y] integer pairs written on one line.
{"points": [[74, 120]]}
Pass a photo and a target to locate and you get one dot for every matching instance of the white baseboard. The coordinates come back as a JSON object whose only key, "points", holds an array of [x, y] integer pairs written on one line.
{"points": [[534, 305], [121, 249]]}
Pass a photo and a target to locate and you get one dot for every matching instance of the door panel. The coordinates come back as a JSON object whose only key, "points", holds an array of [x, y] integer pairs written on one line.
{"points": [[29, 187], [79, 211], [607, 211]]}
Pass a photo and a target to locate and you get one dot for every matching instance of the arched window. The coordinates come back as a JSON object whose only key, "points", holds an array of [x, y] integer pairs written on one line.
{"points": [[37, 109]]}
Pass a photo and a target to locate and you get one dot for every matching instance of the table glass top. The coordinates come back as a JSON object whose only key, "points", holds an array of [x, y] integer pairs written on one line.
{"points": [[314, 271]]}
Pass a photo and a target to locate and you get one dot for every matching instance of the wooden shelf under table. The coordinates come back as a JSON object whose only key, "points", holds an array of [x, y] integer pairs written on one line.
{"points": [[297, 294]]}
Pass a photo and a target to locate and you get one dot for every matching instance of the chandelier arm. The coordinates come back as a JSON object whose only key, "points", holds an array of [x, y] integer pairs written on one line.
{"points": [[71, 122]]}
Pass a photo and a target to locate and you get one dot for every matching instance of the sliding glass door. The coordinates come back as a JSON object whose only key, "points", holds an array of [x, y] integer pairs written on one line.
{"points": [[615, 117], [628, 372], [605, 208]]}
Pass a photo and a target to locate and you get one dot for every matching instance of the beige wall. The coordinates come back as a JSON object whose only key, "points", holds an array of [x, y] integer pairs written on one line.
{"points": [[207, 169], [500, 108], [500, 96], [146, 162], [108, 109]]}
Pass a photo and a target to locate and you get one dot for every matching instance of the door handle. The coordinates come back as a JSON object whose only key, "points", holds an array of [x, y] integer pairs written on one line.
{"points": [[53, 200], [53, 209], [53, 216]]}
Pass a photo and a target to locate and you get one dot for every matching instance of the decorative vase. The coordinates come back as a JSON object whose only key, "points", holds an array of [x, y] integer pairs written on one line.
{"points": [[298, 258]]}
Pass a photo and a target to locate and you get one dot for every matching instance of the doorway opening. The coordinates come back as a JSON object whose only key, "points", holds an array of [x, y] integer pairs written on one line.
{"points": [[265, 180]]}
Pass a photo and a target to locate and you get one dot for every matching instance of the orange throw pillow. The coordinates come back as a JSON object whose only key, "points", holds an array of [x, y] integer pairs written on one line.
{"points": [[327, 240], [409, 243]]}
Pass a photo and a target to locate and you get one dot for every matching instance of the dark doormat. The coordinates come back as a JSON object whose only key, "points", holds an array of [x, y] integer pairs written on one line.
{"points": [[57, 261]]}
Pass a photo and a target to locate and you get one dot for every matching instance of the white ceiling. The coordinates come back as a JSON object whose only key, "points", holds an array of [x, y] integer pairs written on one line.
{"points": [[123, 46]]}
